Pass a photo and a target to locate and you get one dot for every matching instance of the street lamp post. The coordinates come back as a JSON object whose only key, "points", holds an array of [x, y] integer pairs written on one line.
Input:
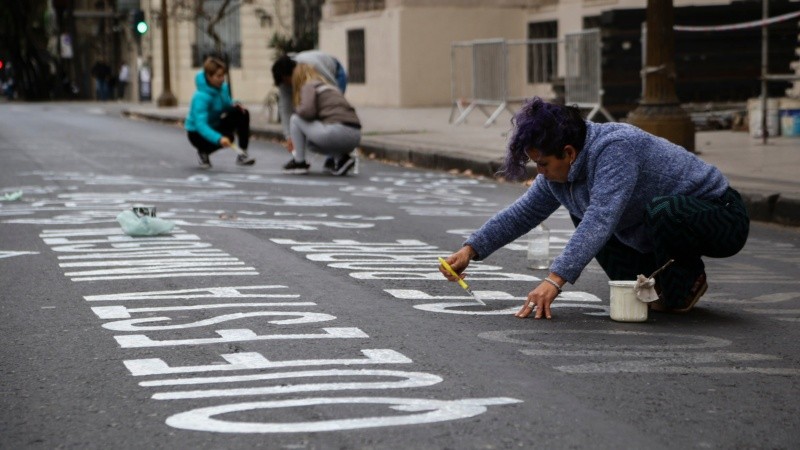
{"points": [[660, 112], [166, 98]]}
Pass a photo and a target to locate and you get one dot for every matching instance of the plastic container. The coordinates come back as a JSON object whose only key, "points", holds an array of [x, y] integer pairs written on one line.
{"points": [[625, 307], [790, 122], [539, 248]]}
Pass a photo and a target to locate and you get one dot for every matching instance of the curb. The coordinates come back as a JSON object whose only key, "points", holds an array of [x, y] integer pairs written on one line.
{"points": [[787, 210], [776, 208], [429, 159], [762, 207]]}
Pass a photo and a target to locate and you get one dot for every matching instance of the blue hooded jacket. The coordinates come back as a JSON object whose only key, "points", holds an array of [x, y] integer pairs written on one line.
{"points": [[208, 104]]}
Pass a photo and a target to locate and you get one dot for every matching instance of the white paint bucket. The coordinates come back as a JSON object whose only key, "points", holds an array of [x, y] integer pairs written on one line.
{"points": [[625, 307]]}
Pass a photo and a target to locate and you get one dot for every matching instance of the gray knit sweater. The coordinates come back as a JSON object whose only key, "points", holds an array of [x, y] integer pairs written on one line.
{"points": [[620, 169]]}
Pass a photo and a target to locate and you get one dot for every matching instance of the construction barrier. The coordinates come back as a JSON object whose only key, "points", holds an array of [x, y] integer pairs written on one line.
{"points": [[494, 73], [488, 75], [583, 80]]}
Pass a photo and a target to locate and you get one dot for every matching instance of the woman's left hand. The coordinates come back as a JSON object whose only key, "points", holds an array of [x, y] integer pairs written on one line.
{"points": [[541, 298]]}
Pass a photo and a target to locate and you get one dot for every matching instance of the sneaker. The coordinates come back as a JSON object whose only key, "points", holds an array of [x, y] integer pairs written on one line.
{"points": [[699, 288], [296, 167], [345, 164], [245, 160], [330, 165], [205, 162]]}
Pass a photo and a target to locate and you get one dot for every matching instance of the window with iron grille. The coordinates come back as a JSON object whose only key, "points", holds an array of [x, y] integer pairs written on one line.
{"points": [[542, 55], [229, 31], [368, 5], [307, 14], [356, 63], [590, 22]]}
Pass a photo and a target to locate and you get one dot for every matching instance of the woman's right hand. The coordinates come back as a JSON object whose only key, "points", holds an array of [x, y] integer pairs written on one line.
{"points": [[289, 145], [458, 261], [224, 141]]}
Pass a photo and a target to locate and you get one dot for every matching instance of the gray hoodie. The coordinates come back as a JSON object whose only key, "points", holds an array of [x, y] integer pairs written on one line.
{"points": [[323, 63]]}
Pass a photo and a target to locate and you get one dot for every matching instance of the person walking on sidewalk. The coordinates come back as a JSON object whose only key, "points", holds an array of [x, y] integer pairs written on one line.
{"points": [[326, 65], [102, 76], [214, 117], [323, 122], [637, 201], [122, 80]]}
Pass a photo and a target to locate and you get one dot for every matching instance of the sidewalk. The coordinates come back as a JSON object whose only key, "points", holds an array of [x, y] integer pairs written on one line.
{"points": [[765, 175]]}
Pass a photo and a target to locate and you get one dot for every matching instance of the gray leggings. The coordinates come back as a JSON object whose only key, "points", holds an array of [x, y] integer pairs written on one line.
{"points": [[332, 139]]}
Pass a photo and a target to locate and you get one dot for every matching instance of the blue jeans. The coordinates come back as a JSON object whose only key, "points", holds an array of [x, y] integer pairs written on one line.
{"points": [[103, 90]]}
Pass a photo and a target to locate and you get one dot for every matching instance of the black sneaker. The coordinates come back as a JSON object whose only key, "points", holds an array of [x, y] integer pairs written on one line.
{"points": [[205, 162], [245, 160], [296, 167], [330, 165], [344, 165]]}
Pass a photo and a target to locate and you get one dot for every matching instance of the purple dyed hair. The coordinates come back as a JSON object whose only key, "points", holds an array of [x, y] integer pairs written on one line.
{"points": [[547, 127]]}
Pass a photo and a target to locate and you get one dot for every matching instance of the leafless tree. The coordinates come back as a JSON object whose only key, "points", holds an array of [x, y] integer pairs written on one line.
{"points": [[205, 11]]}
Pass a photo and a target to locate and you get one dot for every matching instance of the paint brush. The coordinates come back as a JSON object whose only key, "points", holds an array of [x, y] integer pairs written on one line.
{"points": [[461, 282], [658, 271], [238, 150]]}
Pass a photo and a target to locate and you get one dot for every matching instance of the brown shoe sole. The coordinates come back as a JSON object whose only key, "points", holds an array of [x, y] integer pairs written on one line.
{"points": [[694, 301], [656, 306]]}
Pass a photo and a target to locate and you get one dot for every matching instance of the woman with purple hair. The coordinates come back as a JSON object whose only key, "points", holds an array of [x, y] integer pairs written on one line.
{"points": [[637, 201]]}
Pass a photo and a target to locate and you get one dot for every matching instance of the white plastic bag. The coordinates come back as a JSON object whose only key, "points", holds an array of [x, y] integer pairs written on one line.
{"points": [[134, 225], [11, 196]]}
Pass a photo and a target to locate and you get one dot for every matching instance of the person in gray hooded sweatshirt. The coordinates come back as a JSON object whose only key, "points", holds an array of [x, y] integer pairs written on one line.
{"points": [[326, 65], [323, 122], [637, 201]]}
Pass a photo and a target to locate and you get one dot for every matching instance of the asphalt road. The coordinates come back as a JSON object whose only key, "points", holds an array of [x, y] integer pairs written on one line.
{"points": [[306, 312]]}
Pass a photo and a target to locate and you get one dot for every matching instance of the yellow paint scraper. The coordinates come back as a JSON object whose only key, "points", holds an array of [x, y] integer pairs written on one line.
{"points": [[461, 282]]}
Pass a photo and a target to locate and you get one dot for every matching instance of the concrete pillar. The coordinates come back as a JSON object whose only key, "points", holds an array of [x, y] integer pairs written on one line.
{"points": [[660, 112]]}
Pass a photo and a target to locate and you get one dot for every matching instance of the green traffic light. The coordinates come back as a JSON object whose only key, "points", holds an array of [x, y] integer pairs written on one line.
{"points": [[141, 27]]}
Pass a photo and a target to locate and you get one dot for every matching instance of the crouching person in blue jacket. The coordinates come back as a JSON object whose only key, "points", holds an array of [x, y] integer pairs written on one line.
{"points": [[214, 117], [637, 201]]}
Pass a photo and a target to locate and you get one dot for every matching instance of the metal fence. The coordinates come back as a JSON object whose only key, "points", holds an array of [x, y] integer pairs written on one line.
{"points": [[478, 72], [583, 79], [488, 75]]}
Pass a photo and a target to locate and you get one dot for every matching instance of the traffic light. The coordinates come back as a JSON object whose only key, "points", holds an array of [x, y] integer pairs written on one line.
{"points": [[139, 24]]}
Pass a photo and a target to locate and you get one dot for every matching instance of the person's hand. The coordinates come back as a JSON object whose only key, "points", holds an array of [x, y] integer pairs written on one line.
{"points": [[458, 261], [541, 297], [224, 141], [289, 145]]}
